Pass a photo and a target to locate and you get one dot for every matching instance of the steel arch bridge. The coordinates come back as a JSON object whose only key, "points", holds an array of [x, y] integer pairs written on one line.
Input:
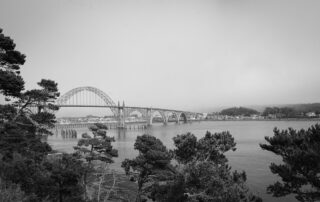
{"points": [[93, 97], [68, 97]]}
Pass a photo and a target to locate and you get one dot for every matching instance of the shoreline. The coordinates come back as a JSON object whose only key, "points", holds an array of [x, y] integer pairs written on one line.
{"points": [[286, 119]]}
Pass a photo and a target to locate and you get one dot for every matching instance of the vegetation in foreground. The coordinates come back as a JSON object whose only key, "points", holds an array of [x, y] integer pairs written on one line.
{"points": [[202, 173], [300, 171]]}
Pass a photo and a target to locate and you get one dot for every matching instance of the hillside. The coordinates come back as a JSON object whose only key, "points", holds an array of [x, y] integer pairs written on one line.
{"points": [[238, 111]]}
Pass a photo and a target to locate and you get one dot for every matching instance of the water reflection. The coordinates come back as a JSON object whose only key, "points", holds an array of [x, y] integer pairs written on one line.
{"points": [[121, 135], [69, 134]]}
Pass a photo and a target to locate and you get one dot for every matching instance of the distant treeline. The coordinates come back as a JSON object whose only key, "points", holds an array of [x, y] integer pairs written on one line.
{"points": [[239, 111], [305, 108], [290, 111], [293, 111], [281, 112]]}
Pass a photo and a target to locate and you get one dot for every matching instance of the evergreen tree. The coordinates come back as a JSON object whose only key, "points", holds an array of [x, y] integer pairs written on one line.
{"points": [[300, 171], [203, 174], [11, 83], [23, 122], [152, 165], [65, 174], [207, 176], [95, 148]]}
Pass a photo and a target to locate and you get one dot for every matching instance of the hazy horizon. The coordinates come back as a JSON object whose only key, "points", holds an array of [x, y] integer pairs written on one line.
{"points": [[187, 55]]}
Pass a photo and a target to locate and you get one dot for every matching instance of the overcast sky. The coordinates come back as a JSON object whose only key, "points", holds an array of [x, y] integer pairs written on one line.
{"points": [[189, 55]]}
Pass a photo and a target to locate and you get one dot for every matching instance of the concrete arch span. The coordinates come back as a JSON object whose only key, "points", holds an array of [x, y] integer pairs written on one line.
{"points": [[172, 114], [157, 112]]}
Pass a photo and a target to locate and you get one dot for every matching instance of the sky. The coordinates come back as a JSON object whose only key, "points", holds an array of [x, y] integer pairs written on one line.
{"points": [[178, 54]]}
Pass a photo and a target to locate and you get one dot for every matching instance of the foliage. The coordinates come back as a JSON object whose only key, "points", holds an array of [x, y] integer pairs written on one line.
{"points": [[23, 122], [238, 111], [204, 175], [10, 192], [56, 179], [211, 147], [304, 108], [98, 147], [15, 138], [282, 112], [95, 148], [186, 148], [207, 176], [172, 190], [29, 174], [19, 124], [22, 150], [65, 174], [152, 164], [11, 83], [300, 152], [43, 99], [206, 181]]}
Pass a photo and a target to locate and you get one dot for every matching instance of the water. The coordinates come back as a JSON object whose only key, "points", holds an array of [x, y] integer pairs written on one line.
{"points": [[248, 156]]}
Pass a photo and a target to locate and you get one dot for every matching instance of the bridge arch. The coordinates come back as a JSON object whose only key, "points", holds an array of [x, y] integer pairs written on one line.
{"points": [[153, 113], [170, 114], [106, 99]]}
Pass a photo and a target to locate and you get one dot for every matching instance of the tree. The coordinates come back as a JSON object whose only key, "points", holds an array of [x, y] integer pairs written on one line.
{"points": [[203, 174], [207, 176], [209, 148], [10, 192], [152, 165], [283, 112], [43, 100], [300, 171], [96, 148], [239, 111], [206, 181], [23, 122], [172, 190], [21, 128], [11, 83], [66, 172], [186, 148]]}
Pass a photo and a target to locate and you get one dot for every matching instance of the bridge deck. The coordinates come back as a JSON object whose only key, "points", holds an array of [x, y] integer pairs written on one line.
{"points": [[126, 107]]}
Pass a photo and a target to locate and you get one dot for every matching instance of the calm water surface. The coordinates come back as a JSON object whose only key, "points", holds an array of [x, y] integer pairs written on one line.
{"points": [[248, 156]]}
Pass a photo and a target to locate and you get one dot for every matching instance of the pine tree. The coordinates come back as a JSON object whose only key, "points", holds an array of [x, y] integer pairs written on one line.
{"points": [[95, 148], [300, 171], [152, 165]]}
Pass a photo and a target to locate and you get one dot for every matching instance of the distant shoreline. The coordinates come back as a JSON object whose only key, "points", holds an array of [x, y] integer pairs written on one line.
{"points": [[286, 119]]}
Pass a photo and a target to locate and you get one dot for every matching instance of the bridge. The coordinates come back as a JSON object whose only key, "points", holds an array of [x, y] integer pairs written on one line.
{"points": [[93, 97]]}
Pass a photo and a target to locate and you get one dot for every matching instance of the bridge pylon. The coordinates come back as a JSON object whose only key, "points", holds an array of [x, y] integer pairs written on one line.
{"points": [[121, 115]]}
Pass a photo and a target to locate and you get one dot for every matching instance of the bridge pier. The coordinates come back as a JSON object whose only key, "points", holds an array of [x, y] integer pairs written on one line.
{"points": [[149, 116], [121, 116]]}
